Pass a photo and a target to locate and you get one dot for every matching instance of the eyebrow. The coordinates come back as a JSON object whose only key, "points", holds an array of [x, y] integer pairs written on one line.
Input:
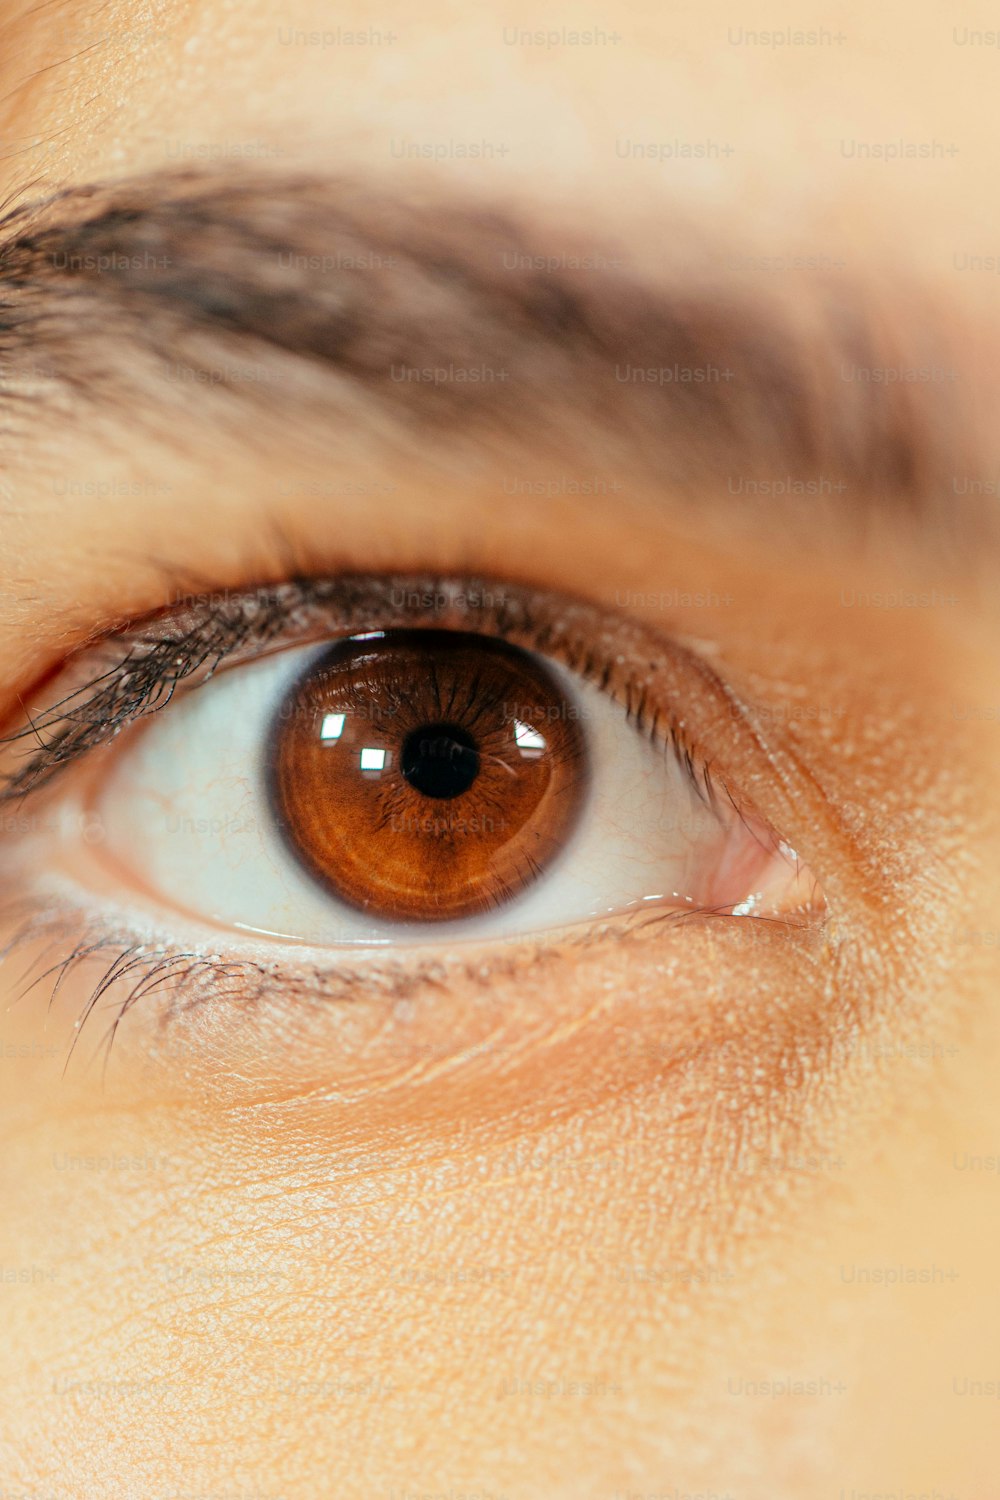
{"points": [[464, 323]]}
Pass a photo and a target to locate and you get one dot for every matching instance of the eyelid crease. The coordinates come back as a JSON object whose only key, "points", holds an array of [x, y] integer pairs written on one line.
{"points": [[183, 648]]}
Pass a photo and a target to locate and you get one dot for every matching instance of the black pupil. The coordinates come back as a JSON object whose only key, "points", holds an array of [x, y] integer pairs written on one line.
{"points": [[440, 760]]}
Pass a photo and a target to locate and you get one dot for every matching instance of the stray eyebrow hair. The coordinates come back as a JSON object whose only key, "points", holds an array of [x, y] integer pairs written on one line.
{"points": [[459, 323]]}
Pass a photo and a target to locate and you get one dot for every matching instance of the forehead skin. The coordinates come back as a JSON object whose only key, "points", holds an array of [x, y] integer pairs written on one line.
{"points": [[97, 89], [534, 1272]]}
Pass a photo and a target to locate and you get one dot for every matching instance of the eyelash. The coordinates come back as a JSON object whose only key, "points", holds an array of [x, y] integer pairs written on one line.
{"points": [[188, 979], [181, 648], [210, 634]]}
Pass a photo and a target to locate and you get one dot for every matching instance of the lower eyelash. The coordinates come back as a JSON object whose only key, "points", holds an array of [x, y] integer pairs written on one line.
{"points": [[185, 978]]}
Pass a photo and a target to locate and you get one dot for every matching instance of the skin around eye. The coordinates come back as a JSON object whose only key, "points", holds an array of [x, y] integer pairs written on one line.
{"points": [[629, 1217], [180, 816]]}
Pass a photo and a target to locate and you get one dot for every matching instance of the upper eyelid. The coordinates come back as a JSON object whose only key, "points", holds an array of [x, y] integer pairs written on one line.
{"points": [[218, 632]]}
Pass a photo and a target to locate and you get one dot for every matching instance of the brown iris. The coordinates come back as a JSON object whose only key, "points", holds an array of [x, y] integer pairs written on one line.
{"points": [[423, 775]]}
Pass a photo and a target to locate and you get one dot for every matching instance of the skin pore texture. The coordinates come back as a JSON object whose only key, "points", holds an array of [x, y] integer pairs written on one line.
{"points": [[703, 1207]]}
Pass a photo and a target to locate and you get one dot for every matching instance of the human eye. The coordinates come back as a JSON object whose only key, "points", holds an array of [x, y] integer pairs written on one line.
{"points": [[407, 764]]}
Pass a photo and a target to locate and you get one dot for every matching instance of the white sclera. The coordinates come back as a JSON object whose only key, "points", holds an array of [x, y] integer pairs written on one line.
{"points": [[186, 808]]}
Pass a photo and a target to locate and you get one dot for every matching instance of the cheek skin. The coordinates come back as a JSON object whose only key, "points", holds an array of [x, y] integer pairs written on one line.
{"points": [[402, 1249], [657, 1127]]}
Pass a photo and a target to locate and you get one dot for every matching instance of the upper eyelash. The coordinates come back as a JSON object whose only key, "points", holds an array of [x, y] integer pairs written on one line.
{"points": [[140, 682], [152, 659]]}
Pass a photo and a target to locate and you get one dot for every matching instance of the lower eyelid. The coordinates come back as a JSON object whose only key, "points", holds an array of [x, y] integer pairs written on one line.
{"points": [[195, 1013], [241, 1022]]}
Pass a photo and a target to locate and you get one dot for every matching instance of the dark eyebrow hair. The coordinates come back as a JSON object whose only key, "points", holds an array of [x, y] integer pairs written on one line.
{"points": [[462, 323]]}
